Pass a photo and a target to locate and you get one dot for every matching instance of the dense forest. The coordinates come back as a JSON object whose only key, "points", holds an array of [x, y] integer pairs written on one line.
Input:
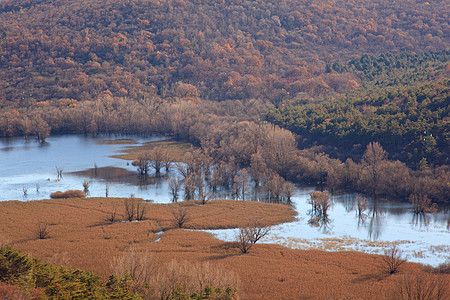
{"points": [[350, 79], [403, 104]]}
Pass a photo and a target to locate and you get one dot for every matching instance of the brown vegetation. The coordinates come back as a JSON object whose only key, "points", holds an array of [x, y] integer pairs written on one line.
{"points": [[68, 194], [267, 272], [421, 286]]}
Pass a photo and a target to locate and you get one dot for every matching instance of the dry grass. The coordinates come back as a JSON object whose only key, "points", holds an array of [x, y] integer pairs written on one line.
{"points": [[79, 228], [176, 150], [81, 238]]}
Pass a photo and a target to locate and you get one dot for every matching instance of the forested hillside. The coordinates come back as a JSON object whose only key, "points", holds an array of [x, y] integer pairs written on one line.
{"points": [[403, 104], [214, 49]]}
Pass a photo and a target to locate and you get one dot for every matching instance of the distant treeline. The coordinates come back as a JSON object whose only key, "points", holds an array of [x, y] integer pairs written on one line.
{"points": [[215, 49], [233, 134]]}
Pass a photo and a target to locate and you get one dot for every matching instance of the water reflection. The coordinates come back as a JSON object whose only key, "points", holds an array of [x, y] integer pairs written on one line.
{"points": [[420, 220]]}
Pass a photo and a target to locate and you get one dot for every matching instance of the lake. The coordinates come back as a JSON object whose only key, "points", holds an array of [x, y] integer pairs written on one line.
{"points": [[29, 172]]}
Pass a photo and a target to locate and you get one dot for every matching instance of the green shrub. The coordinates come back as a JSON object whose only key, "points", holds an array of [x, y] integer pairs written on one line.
{"points": [[15, 267], [34, 277]]}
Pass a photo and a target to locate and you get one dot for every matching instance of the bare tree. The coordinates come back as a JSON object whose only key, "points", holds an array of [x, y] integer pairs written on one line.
{"points": [[86, 186], [274, 186], [361, 206], [112, 216], [243, 238], [249, 235], [279, 149], [140, 266], [392, 259], [203, 193], [189, 187], [42, 230], [41, 127], [141, 209], [257, 232], [142, 164], [174, 188], [157, 158], [241, 184], [130, 208], [181, 216], [321, 202], [421, 286], [258, 169], [288, 190], [59, 172], [422, 204]]}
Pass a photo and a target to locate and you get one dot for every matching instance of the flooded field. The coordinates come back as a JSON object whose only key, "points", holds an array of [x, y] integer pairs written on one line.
{"points": [[29, 172]]}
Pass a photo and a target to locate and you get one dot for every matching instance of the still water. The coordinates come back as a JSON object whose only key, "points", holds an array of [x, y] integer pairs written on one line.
{"points": [[28, 171]]}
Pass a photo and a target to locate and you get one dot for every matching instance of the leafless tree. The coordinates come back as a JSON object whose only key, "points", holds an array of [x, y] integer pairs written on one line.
{"points": [[392, 259], [249, 235], [203, 192], [189, 187], [422, 204], [274, 186], [288, 191], [139, 265], [141, 209], [241, 184], [86, 186], [421, 286], [142, 164], [59, 172], [130, 208], [42, 230], [112, 216], [279, 149], [181, 216], [174, 188], [361, 206], [258, 169], [42, 129], [321, 202], [157, 158]]}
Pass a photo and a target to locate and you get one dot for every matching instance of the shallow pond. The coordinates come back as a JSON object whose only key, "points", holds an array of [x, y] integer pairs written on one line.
{"points": [[29, 169], [29, 172]]}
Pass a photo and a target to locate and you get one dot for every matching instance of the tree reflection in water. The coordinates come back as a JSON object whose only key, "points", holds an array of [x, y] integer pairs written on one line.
{"points": [[375, 224]]}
